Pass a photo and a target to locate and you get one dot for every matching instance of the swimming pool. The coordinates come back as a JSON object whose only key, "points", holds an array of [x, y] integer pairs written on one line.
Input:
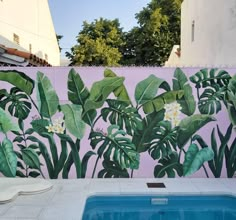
{"points": [[160, 208]]}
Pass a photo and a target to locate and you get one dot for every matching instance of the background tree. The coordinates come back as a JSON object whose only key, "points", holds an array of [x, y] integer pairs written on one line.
{"points": [[59, 37], [158, 31], [98, 43]]}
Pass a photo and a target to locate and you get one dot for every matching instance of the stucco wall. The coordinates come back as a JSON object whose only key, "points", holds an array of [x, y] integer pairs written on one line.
{"points": [[215, 30], [192, 137], [31, 21]]}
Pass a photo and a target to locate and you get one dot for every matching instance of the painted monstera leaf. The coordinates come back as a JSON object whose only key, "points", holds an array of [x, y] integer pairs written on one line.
{"points": [[122, 114], [187, 102], [146, 90], [142, 138], [158, 103], [46, 96], [115, 146], [19, 80], [210, 99], [168, 166], [231, 105], [190, 125], [101, 90], [6, 123], [8, 159], [112, 170], [78, 94], [73, 120], [208, 78], [162, 140], [16, 102], [121, 92], [195, 158]]}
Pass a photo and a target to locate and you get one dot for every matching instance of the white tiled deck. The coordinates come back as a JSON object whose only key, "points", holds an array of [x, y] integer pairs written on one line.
{"points": [[67, 198]]}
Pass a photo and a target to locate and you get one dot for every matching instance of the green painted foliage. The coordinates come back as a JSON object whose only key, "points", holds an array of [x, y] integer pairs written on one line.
{"points": [[210, 100], [47, 98], [6, 122], [187, 102], [158, 103], [115, 146], [73, 120], [112, 170], [190, 125], [231, 102], [8, 159], [122, 114], [168, 166], [163, 140], [121, 92], [78, 94], [39, 125], [142, 138], [16, 102], [18, 79], [195, 158], [101, 90], [31, 158], [205, 78], [146, 90]]}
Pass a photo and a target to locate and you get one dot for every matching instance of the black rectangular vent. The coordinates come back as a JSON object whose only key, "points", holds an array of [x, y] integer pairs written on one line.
{"points": [[156, 185]]}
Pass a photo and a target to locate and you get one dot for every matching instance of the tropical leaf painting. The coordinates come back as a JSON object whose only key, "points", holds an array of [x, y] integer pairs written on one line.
{"points": [[115, 146], [110, 129]]}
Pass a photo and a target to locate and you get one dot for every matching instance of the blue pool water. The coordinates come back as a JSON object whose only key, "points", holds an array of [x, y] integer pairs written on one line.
{"points": [[160, 208]]}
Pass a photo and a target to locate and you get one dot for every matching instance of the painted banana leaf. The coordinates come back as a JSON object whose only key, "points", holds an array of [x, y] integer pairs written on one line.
{"points": [[101, 90], [78, 94], [31, 158], [18, 79], [158, 103], [147, 89], [187, 102], [190, 125], [231, 104], [115, 146], [47, 98], [122, 114], [121, 92], [73, 119]]}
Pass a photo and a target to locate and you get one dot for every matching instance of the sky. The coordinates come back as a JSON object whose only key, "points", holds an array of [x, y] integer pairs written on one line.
{"points": [[68, 15]]}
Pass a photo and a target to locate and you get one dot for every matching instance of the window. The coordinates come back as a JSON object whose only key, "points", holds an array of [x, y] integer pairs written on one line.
{"points": [[193, 30], [30, 48], [16, 39], [46, 57]]}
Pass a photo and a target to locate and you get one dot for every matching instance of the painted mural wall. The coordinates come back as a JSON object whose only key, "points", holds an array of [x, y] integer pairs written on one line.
{"points": [[117, 123]]}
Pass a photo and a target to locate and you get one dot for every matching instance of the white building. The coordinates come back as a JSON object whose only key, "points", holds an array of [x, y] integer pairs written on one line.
{"points": [[27, 25], [208, 33]]}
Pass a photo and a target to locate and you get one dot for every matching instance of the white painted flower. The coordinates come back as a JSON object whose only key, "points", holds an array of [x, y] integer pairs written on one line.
{"points": [[50, 128], [172, 113]]}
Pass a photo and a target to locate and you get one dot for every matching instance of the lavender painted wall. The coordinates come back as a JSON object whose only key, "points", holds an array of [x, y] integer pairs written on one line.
{"points": [[133, 76]]}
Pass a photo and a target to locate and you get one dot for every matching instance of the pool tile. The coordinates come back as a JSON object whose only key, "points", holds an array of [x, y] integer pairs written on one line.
{"points": [[104, 186], [23, 212], [210, 186]]}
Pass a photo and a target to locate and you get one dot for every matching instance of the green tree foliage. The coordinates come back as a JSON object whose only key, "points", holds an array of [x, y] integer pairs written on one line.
{"points": [[158, 31], [98, 44]]}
